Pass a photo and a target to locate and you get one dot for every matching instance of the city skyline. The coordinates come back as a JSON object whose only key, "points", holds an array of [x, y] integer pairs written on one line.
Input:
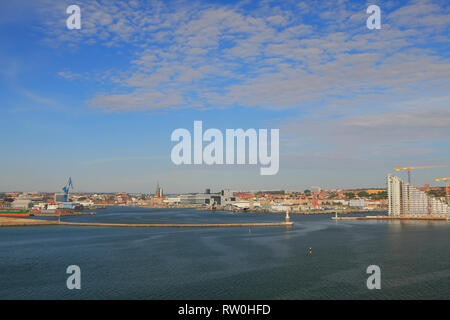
{"points": [[99, 104], [218, 189]]}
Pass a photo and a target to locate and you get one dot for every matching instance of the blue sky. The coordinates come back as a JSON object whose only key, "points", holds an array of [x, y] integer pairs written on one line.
{"points": [[99, 104]]}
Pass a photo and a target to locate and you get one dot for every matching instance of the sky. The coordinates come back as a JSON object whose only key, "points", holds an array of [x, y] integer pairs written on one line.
{"points": [[99, 104]]}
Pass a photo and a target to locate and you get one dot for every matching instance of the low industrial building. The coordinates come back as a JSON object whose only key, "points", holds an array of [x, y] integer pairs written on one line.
{"points": [[22, 204], [358, 203], [200, 199]]}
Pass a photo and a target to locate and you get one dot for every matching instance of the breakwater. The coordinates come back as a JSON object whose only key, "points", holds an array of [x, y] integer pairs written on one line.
{"points": [[13, 222], [175, 225], [16, 222]]}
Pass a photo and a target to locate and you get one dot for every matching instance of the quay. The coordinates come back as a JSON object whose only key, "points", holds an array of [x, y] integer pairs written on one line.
{"points": [[404, 217]]}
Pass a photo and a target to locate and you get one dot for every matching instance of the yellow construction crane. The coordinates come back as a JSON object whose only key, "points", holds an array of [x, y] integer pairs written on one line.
{"points": [[419, 167], [447, 192]]}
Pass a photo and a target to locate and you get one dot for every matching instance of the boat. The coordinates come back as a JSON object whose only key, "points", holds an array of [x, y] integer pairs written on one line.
{"points": [[15, 213]]}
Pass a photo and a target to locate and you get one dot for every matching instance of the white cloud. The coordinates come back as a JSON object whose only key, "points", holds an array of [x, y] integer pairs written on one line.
{"points": [[210, 55]]}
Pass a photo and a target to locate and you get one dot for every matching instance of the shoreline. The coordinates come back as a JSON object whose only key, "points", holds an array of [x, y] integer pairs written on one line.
{"points": [[434, 218], [330, 211]]}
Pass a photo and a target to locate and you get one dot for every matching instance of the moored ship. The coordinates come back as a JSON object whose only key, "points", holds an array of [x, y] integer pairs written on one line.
{"points": [[14, 213]]}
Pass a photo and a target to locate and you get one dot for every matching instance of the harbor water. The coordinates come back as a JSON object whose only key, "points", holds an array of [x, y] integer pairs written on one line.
{"points": [[225, 263]]}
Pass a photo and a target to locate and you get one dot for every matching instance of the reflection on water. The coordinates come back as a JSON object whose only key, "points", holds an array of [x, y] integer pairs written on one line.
{"points": [[226, 263]]}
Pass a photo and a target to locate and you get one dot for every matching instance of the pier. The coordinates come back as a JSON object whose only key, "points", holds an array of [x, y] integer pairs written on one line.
{"points": [[176, 225], [14, 222]]}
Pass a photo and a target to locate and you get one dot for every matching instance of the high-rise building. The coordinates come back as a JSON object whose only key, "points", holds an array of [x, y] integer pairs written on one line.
{"points": [[405, 199]]}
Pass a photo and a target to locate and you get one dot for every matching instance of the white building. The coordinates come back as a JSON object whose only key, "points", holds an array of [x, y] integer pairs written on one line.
{"points": [[405, 199], [340, 201], [172, 200], [282, 207], [358, 203]]}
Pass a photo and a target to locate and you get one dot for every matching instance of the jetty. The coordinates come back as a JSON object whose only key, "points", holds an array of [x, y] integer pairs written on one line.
{"points": [[15, 222], [19, 222], [176, 225]]}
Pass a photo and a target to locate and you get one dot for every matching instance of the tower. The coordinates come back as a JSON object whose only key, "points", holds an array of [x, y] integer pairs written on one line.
{"points": [[159, 192]]}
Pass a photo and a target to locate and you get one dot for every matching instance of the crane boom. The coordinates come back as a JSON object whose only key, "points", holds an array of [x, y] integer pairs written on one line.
{"points": [[420, 167]]}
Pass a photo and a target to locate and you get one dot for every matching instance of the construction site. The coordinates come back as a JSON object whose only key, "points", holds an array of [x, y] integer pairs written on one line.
{"points": [[407, 202], [404, 199]]}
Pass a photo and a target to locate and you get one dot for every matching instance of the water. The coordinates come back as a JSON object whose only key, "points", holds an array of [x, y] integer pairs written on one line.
{"points": [[225, 263]]}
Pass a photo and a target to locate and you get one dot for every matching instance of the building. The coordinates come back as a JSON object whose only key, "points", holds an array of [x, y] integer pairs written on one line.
{"points": [[405, 199], [70, 205], [22, 204], [342, 202], [172, 200], [281, 207], [227, 197], [60, 197], [358, 203], [200, 199]]}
